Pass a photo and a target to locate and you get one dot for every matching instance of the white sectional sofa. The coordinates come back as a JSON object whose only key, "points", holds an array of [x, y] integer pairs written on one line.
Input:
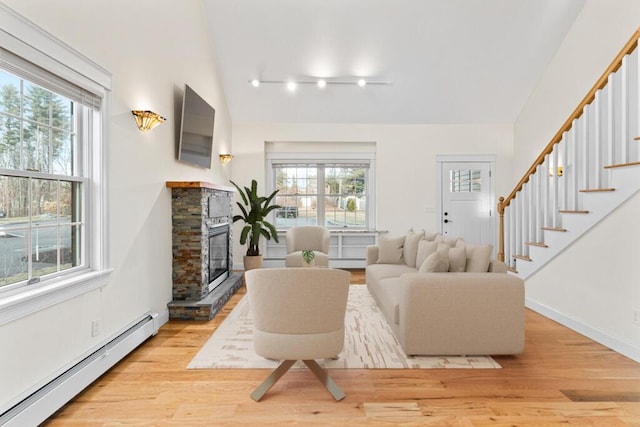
{"points": [[474, 309]]}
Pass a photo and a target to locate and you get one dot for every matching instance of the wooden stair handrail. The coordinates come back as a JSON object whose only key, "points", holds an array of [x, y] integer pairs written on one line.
{"points": [[602, 81]]}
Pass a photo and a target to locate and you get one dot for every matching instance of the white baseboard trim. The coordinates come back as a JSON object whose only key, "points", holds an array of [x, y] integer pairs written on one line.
{"points": [[43, 402], [160, 319], [615, 344]]}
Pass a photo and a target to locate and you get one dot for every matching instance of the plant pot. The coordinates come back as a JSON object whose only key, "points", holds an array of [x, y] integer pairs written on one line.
{"points": [[252, 261]]}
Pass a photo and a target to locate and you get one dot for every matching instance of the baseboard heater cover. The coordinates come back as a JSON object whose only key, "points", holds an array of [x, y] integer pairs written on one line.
{"points": [[45, 401]]}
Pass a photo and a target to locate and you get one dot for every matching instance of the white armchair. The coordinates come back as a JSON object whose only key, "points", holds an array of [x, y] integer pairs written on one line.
{"points": [[298, 314], [305, 237]]}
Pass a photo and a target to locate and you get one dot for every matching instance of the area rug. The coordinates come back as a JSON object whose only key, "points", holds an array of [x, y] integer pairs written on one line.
{"points": [[369, 343]]}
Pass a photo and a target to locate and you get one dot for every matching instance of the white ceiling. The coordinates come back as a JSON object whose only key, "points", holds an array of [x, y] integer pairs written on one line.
{"points": [[450, 61]]}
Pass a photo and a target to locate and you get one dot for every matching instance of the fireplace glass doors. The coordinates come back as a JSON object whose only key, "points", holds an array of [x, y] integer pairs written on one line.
{"points": [[218, 254]]}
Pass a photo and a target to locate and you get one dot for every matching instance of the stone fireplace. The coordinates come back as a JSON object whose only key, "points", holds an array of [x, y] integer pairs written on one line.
{"points": [[202, 242]]}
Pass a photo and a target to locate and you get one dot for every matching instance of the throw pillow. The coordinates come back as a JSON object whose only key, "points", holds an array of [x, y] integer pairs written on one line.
{"points": [[390, 250], [435, 263], [425, 248], [478, 258], [457, 260], [430, 236], [411, 241], [450, 241]]}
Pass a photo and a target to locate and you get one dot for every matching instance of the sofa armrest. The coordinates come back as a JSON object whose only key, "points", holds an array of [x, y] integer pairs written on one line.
{"points": [[372, 254], [461, 313], [496, 266]]}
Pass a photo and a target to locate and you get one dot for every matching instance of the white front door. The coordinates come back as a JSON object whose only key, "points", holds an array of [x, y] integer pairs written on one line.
{"points": [[467, 209]]}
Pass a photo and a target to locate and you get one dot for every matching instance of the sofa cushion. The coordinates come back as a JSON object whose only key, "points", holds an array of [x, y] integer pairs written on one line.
{"points": [[410, 249], [390, 250], [457, 260], [437, 262], [478, 258], [377, 272], [387, 295], [425, 248]]}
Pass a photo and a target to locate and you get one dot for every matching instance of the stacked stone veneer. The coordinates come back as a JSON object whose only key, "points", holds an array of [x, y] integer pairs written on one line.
{"points": [[195, 208]]}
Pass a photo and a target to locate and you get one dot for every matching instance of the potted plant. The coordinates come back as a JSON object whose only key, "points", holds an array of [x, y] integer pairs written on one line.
{"points": [[308, 255], [254, 211]]}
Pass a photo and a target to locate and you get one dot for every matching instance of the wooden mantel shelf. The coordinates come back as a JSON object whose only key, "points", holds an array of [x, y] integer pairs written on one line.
{"points": [[199, 184]]}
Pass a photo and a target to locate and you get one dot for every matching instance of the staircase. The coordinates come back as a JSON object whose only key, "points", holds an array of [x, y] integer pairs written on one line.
{"points": [[589, 168]]}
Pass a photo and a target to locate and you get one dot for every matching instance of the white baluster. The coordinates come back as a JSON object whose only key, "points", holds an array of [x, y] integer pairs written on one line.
{"points": [[542, 204], [519, 223], [634, 107], [525, 220], [584, 147], [597, 140], [534, 206], [624, 118], [575, 169], [512, 231], [554, 186], [610, 127], [565, 178]]}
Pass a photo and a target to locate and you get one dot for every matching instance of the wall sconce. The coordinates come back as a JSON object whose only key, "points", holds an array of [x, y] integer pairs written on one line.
{"points": [[147, 120], [225, 158], [559, 171]]}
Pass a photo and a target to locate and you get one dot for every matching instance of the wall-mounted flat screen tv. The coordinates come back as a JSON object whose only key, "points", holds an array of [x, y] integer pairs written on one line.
{"points": [[196, 130]]}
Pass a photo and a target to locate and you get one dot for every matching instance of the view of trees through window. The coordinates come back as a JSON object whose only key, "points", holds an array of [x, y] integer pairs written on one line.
{"points": [[40, 191], [329, 195]]}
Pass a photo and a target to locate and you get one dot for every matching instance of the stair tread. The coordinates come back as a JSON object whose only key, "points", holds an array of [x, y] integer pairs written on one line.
{"points": [[622, 165], [538, 244], [597, 190], [522, 257], [554, 229], [575, 212]]}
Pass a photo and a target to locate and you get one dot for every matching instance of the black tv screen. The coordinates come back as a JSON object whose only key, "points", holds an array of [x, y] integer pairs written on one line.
{"points": [[196, 130]]}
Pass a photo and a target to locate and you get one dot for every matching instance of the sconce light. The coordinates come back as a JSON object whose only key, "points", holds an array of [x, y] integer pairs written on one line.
{"points": [[147, 120], [225, 158], [559, 171]]}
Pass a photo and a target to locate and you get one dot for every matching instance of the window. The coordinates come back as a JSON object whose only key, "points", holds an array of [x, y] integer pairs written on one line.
{"points": [[465, 181], [41, 184], [331, 193], [52, 170]]}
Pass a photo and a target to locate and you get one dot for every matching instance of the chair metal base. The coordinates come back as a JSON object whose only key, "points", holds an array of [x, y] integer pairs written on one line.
{"points": [[320, 373]]}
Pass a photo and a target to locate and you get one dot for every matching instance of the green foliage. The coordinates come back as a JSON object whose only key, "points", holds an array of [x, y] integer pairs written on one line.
{"points": [[254, 210], [308, 255], [351, 204], [36, 128]]}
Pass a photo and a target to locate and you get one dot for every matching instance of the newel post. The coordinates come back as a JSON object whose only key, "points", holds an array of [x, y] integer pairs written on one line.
{"points": [[501, 229]]}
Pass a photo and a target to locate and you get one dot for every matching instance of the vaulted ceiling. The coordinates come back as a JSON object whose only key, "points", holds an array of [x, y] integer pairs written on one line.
{"points": [[447, 61]]}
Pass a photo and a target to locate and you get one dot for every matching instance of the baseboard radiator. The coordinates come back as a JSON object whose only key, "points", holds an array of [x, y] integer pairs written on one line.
{"points": [[46, 400]]}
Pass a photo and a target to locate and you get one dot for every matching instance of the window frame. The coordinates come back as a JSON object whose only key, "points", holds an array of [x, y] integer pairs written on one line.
{"points": [[275, 158], [31, 43]]}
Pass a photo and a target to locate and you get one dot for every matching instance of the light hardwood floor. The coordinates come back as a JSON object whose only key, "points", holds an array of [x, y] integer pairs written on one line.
{"points": [[562, 378]]}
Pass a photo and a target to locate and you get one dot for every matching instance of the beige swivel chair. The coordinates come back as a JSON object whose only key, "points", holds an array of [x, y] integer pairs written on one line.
{"points": [[305, 237], [298, 314]]}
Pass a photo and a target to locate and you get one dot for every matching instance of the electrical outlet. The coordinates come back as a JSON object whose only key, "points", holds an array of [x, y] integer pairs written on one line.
{"points": [[95, 328], [636, 317]]}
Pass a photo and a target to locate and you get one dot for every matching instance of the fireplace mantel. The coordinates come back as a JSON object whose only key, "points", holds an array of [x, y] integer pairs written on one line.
{"points": [[199, 184]]}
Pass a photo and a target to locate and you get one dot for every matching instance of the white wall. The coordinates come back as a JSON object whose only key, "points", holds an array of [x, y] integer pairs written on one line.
{"points": [[152, 48], [594, 283], [405, 161]]}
